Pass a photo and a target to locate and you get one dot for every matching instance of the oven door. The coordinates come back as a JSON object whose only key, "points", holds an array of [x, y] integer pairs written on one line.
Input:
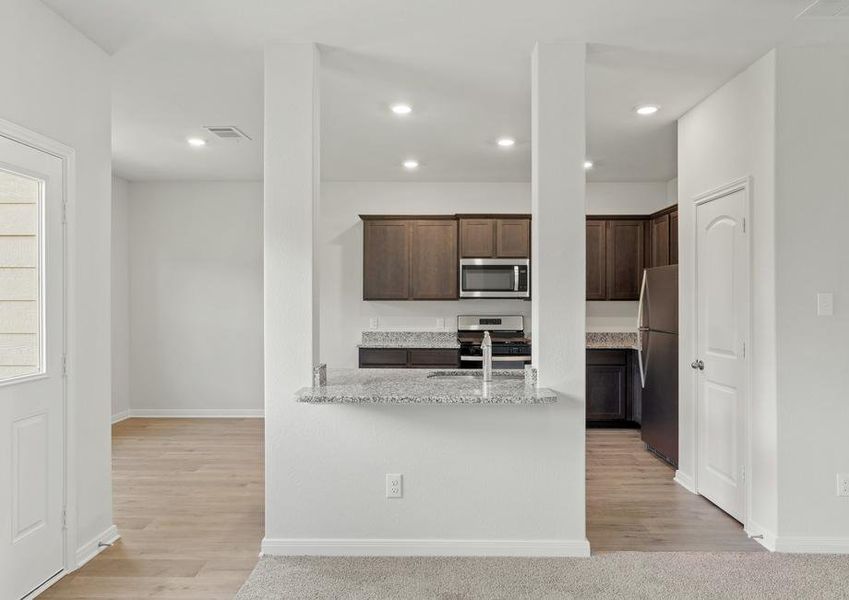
{"points": [[494, 278]]}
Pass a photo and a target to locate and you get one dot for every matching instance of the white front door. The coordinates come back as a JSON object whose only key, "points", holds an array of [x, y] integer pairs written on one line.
{"points": [[31, 371], [722, 280]]}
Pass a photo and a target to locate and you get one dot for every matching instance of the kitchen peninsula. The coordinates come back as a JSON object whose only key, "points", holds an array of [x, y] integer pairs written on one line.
{"points": [[422, 386]]}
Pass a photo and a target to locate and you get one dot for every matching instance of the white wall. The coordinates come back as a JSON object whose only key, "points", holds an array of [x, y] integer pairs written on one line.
{"points": [[728, 136], [61, 83], [196, 298], [120, 298], [344, 314], [626, 198], [812, 255]]}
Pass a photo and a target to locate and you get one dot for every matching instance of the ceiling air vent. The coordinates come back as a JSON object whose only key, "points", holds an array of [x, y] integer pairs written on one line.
{"points": [[227, 132], [826, 9]]}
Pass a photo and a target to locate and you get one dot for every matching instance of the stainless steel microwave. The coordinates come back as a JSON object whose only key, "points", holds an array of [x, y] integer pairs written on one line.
{"points": [[495, 278]]}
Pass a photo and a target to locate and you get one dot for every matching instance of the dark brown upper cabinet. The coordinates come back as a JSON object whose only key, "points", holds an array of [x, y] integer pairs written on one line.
{"points": [[596, 259], [495, 237], [513, 238], [477, 238], [386, 259], [433, 274], [625, 261], [663, 238], [673, 237], [409, 258], [659, 241]]}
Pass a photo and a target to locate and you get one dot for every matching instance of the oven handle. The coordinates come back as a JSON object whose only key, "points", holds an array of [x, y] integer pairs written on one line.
{"points": [[516, 278], [512, 358]]}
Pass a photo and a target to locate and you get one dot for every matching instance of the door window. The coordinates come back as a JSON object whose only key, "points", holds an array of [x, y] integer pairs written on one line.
{"points": [[21, 311]]}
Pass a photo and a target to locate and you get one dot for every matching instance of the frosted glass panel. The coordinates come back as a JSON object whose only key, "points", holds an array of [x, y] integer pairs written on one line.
{"points": [[20, 260]]}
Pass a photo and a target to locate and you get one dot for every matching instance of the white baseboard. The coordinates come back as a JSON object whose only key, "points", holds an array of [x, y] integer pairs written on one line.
{"points": [[92, 547], [685, 481], [120, 416], [197, 413], [812, 545], [390, 547]]}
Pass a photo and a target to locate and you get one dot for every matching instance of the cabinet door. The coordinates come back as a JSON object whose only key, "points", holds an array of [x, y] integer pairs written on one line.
{"points": [[383, 358], [606, 392], [427, 358], [624, 259], [659, 241], [477, 238], [513, 238], [434, 263], [596, 260], [673, 238], [386, 260]]}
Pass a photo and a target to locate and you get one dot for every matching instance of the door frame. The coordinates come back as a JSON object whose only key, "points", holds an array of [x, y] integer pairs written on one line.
{"points": [[743, 184], [67, 155]]}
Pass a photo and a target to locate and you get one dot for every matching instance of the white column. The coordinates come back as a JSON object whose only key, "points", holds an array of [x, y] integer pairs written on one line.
{"points": [[291, 173], [558, 207]]}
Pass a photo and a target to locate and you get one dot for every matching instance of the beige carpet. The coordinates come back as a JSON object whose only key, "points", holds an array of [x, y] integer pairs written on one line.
{"points": [[655, 576]]}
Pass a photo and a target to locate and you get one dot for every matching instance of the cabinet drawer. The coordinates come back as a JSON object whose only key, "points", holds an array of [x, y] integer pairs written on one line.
{"points": [[434, 358], [383, 358], [607, 357]]}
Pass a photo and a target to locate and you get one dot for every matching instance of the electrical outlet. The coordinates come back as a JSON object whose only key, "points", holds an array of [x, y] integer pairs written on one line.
{"points": [[394, 485], [843, 484], [374, 323]]}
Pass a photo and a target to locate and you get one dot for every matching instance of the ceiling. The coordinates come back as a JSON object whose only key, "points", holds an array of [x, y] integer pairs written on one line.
{"points": [[463, 66]]}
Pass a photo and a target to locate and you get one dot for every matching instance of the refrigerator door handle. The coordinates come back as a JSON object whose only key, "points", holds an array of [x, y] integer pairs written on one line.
{"points": [[641, 337]]}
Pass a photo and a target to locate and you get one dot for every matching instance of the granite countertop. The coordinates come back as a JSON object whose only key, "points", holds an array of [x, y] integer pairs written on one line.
{"points": [[613, 340], [409, 339], [419, 386]]}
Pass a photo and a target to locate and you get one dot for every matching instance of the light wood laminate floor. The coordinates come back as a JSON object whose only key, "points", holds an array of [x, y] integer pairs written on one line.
{"points": [[188, 502], [633, 503], [188, 497]]}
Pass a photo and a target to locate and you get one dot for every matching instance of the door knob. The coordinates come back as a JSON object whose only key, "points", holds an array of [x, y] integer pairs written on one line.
{"points": [[697, 364]]}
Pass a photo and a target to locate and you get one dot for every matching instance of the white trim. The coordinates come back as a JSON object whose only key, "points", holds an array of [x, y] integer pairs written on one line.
{"points": [[120, 416], [196, 413], [92, 547], [427, 547], [67, 155], [685, 481], [812, 545], [743, 184], [44, 586]]}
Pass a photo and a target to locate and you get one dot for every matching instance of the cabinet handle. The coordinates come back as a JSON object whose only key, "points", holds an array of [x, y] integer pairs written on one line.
{"points": [[697, 364]]}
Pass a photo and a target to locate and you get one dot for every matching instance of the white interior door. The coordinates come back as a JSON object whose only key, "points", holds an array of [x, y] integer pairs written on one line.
{"points": [[722, 280], [31, 370]]}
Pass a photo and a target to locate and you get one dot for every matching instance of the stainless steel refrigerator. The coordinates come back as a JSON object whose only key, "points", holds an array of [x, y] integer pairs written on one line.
{"points": [[658, 323]]}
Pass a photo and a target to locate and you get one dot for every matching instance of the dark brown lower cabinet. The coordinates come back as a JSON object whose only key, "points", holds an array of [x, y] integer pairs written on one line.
{"points": [[612, 392], [409, 358]]}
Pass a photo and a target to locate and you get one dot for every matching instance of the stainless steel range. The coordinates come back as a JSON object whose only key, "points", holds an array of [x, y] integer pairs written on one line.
{"points": [[511, 349]]}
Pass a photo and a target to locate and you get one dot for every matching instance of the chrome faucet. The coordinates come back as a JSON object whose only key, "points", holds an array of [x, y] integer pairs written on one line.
{"points": [[486, 349]]}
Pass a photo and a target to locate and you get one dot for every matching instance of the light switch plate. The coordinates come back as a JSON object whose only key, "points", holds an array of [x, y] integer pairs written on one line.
{"points": [[825, 304]]}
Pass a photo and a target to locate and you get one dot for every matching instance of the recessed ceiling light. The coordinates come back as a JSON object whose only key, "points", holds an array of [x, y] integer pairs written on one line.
{"points": [[411, 164], [588, 164], [401, 109], [196, 142], [647, 109], [506, 142]]}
